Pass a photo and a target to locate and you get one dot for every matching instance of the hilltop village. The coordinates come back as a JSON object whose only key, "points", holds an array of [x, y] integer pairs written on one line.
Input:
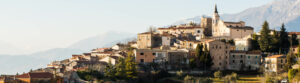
{"points": [[208, 51]]}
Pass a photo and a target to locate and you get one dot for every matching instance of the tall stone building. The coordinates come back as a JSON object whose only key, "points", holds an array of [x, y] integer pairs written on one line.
{"points": [[219, 52], [206, 23], [148, 40]]}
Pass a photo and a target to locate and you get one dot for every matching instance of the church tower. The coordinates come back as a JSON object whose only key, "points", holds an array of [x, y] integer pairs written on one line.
{"points": [[216, 16]]}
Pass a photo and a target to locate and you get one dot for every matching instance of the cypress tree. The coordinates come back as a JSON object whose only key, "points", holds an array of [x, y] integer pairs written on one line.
{"points": [[208, 59], [284, 43], [295, 41], [120, 69], [110, 71], [275, 42], [130, 67], [265, 39], [254, 42]]}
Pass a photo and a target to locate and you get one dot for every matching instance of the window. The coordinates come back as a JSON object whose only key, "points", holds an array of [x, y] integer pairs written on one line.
{"points": [[241, 61], [233, 56], [142, 60], [153, 53], [220, 57], [248, 57], [141, 53], [220, 64], [233, 61], [241, 56], [237, 30], [256, 57], [198, 31], [281, 61]]}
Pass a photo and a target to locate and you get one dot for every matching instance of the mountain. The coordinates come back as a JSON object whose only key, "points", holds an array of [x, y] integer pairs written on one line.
{"points": [[11, 64], [103, 40], [276, 13]]}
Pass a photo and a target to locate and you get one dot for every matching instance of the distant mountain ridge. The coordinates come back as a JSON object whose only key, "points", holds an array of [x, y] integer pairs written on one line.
{"points": [[276, 13]]}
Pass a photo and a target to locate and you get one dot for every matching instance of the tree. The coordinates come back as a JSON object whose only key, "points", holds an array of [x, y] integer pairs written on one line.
{"points": [[218, 74], [110, 71], [208, 60], [254, 42], [284, 43], [292, 73], [265, 38], [199, 50], [295, 41], [275, 42], [231, 42], [152, 29], [298, 51], [290, 61], [120, 69], [192, 24], [130, 67]]}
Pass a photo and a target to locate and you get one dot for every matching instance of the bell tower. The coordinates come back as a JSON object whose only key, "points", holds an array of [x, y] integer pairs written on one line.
{"points": [[216, 16]]}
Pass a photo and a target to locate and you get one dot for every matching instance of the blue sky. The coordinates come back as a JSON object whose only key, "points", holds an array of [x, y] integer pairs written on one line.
{"points": [[36, 25]]}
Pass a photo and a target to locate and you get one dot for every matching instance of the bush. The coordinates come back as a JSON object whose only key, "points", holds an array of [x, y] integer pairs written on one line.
{"points": [[179, 73], [292, 73], [191, 79], [218, 74]]}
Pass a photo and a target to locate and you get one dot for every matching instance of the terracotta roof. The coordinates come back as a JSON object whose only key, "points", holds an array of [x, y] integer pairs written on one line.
{"points": [[233, 22], [237, 51], [297, 33], [36, 75], [254, 52], [276, 56]]}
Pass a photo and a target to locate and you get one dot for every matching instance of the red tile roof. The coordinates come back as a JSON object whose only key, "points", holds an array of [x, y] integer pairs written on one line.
{"points": [[276, 56], [297, 33]]}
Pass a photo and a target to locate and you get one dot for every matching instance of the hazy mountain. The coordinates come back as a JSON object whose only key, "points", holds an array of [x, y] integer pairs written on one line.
{"points": [[10, 64], [103, 40], [276, 13]]}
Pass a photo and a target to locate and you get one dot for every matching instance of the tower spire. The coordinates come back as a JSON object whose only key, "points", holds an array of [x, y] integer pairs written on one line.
{"points": [[216, 10]]}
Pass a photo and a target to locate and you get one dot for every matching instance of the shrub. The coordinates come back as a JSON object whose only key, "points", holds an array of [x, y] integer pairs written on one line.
{"points": [[179, 73], [218, 74], [292, 73]]}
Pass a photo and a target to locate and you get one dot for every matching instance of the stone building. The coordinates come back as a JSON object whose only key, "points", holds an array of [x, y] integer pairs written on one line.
{"points": [[206, 23], [148, 40], [275, 63], [244, 60], [219, 52], [194, 30], [147, 55]]}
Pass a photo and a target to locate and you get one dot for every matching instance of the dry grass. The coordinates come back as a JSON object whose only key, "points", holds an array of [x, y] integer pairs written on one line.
{"points": [[242, 79]]}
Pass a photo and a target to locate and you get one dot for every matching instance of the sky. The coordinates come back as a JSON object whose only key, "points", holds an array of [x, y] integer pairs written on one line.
{"points": [[37, 25]]}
